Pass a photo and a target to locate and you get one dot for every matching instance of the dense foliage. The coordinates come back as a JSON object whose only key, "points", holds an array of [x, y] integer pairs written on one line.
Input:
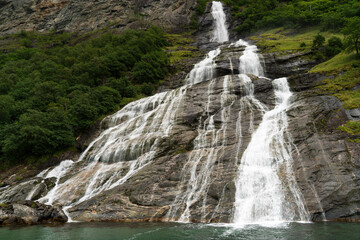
{"points": [[352, 33], [51, 89], [260, 14]]}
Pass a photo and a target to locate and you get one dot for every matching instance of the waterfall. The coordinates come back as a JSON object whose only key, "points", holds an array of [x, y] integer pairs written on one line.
{"points": [[208, 146], [129, 143], [260, 193], [266, 188], [220, 33], [205, 69], [250, 60]]}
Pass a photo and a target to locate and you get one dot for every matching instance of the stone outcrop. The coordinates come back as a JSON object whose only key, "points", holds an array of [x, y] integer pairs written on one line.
{"points": [[149, 194], [30, 213], [85, 15]]}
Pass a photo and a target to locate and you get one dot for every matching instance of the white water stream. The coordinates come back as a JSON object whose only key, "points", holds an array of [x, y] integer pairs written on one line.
{"points": [[220, 32], [260, 195], [133, 136]]}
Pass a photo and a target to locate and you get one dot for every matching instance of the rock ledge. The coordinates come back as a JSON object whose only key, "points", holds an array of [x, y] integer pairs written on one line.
{"points": [[29, 213]]}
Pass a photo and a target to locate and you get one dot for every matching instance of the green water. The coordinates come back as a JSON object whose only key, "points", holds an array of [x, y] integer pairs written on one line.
{"points": [[157, 231]]}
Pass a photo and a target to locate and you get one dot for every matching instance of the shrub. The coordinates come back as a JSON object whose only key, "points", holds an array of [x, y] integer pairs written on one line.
{"points": [[318, 41], [333, 47]]}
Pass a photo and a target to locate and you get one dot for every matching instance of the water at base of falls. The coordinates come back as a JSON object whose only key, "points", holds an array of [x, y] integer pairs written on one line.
{"points": [[175, 231]]}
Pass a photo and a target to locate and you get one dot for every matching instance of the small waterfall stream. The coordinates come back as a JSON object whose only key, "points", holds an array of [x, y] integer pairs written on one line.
{"points": [[220, 32], [132, 137]]}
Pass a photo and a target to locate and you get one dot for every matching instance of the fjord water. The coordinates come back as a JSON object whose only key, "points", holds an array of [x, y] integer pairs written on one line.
{"points": [[175, 231]]}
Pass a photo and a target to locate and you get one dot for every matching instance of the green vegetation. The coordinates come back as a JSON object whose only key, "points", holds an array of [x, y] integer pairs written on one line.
{"points": [[352, 33], [53, 86], [285, 41], [353, 128], [260, 14], [181, 47], [341, 87], [341, 62], [199, 11], [342, 67]]}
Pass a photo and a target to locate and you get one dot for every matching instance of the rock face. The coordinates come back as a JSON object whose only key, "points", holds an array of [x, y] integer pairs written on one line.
{"points": [[326, 163], [84, 15], [199, 171], [28, 212], [174, 156]]}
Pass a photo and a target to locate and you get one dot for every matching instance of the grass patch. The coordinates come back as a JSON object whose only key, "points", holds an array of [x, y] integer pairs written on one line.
{"points": [[353, 128], [344, 81], [344, 66], [181, 47], [285, 41], [342, 88], [351, 99], [341, 62]]}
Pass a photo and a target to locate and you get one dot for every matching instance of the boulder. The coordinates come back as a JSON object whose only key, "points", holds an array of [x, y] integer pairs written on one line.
{"points": [[29, 213]]}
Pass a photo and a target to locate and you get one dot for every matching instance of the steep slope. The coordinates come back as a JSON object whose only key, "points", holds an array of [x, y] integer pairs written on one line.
{"points": [[83, 15], [187, 154]]}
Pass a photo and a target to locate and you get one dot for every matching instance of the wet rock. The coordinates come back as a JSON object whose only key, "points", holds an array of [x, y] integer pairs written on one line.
{"points": [[288, 65], [326, 165], [204, 32], [325, 162], [28, 212], [353, 114]]}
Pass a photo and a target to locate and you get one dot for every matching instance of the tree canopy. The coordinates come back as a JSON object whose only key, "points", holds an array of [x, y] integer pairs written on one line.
{"points": [[352, 34], [53, 87]]}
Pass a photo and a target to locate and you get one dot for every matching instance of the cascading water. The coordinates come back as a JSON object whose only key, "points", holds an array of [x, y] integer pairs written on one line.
{"points": [[205, 69], [220, 33], [260, 195], [131, 140], [133, 136], [207, 144], [130, 143], [250, 61]]}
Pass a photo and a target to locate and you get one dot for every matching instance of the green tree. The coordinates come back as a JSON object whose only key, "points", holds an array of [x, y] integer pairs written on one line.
{"points": [[54, 90], [318, 41], [333, 47], [6, 108], [37, 133], [332, 21], [352, 35]]}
